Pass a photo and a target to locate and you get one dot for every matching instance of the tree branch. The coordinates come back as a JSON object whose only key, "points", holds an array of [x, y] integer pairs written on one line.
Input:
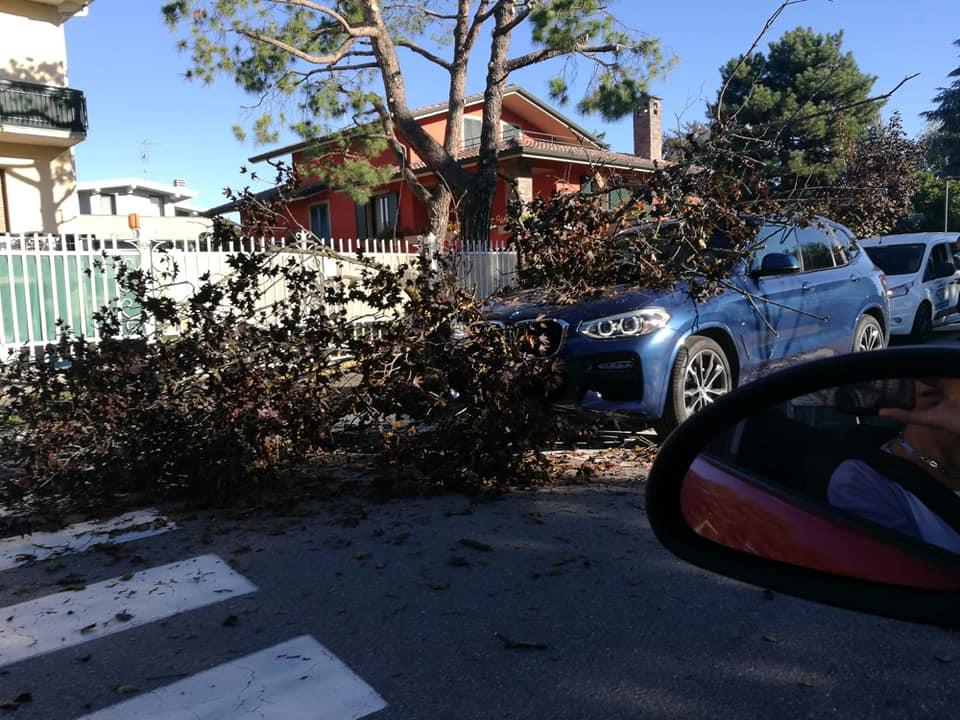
{"points": [[839, 108], [400, 153], [519, 18], [743, 58], [422, 11], [471, 34], [337, 17], [410, 45], [333, 57], [539, 56], [484, 13]]}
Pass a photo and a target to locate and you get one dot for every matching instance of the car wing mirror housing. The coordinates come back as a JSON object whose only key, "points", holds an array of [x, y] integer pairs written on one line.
{"points": [[777, 264], [812, 482]]}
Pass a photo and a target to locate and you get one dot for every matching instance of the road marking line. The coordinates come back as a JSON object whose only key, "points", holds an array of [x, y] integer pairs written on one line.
{"points": [[296, 680], [20, 550], [69, 618]]}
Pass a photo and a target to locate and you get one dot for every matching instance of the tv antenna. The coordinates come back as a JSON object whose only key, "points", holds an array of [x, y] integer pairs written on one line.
{"points": [[145, 154]]}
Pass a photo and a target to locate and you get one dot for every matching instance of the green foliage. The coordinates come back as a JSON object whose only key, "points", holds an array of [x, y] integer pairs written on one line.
{"points": [[927, 210], [621, 82], [303, 55], [801, 102], [944, 141]]}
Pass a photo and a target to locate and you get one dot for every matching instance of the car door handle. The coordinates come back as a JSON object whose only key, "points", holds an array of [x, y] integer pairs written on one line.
{"points": [[806, 287], [854, 278]]}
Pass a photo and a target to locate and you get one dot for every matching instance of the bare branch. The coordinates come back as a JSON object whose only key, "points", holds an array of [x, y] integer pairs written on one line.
{"points": [[474, 29], [400, 153], [340, 20], [333, 57], [519, 18], [423, 52], [766, 28], [484, 12], [422, 10], [841, 108], [539, 56]]}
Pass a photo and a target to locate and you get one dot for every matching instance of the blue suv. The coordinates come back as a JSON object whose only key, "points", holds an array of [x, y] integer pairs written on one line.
{"points": [[806, 292]]}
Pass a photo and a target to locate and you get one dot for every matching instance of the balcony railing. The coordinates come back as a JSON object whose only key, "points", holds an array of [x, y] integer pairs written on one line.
{"points": [[514, 133], [42, 107]]}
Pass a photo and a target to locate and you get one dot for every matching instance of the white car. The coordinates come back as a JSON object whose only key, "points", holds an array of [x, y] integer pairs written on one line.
{"points": [[923, 271]]}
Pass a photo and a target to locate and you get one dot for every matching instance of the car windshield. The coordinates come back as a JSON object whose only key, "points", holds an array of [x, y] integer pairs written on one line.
{"points": [[897, 259], [718, 244]]}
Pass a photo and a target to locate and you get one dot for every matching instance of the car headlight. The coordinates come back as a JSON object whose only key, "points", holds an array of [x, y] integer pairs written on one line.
{"points": [[899, 290], [628, 324]]}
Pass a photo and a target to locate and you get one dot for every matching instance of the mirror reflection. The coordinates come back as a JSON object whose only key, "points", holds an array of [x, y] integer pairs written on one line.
{"points": [[859, 480]]}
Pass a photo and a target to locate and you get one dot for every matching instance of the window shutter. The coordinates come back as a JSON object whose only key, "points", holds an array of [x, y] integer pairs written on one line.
{"points": [[391, 210], [320, 221], [363, 230]]}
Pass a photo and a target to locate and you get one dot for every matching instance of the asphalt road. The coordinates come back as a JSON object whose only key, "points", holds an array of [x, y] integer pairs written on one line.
{"points": [[627, 630], [560, 605], [946, 336]]}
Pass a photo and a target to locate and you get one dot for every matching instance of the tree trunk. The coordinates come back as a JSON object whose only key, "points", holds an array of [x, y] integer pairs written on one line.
{"points": [[474, 211], [438, 212]]}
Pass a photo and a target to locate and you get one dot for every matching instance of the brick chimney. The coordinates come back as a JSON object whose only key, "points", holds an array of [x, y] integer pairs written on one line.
{"points": [[647, 130]]}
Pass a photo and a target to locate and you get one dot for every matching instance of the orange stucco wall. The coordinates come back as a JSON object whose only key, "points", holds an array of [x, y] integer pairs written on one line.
{"points": [[548, 176]]}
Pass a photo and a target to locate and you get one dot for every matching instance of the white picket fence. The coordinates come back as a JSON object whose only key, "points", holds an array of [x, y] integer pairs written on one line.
{"points": [[48, 279]]}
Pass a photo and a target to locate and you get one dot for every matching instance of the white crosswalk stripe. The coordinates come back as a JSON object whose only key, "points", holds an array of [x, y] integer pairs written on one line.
{"points": [[69, 618], [296, 680], [80, 536]]}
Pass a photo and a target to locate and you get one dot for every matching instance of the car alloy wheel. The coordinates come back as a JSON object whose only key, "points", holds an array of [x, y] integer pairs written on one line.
{"points": [[870, 338], [705, 379]]}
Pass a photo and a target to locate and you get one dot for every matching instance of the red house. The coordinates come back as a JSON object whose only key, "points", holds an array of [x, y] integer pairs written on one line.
{"points": [[542, 151]]}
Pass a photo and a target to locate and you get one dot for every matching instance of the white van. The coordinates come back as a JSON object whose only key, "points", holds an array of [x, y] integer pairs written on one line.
{"points": [[923, 271]]}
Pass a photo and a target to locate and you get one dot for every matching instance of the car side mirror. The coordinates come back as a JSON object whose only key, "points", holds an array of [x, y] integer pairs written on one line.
{"points": [[867, 521], [777, 264]]}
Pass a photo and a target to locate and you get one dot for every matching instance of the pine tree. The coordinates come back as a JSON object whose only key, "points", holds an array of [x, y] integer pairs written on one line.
{"points": [[341, 61], [944, 141], [799, 104]]}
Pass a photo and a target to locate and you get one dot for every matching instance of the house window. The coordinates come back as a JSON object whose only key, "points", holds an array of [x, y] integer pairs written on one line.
{"points": [[612, 199], [618, 197], [108, 204], [320, 220], [377, 217], [157, 205], [472, 126]]}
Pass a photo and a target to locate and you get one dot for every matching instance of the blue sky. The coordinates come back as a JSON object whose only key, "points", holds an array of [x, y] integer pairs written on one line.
{"points": [[125, 60]]}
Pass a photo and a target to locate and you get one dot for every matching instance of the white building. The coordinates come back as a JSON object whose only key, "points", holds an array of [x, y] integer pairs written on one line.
{"points": [[164, 210], [41, 117]]}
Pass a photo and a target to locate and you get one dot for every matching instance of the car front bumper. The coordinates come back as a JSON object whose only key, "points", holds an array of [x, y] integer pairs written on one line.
{"points": [[903, 310], [627, 376]]}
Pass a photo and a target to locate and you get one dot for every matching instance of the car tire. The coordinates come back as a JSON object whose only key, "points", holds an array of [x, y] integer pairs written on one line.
{"points": [[701, 373], [922, 324], [868, 335]]}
